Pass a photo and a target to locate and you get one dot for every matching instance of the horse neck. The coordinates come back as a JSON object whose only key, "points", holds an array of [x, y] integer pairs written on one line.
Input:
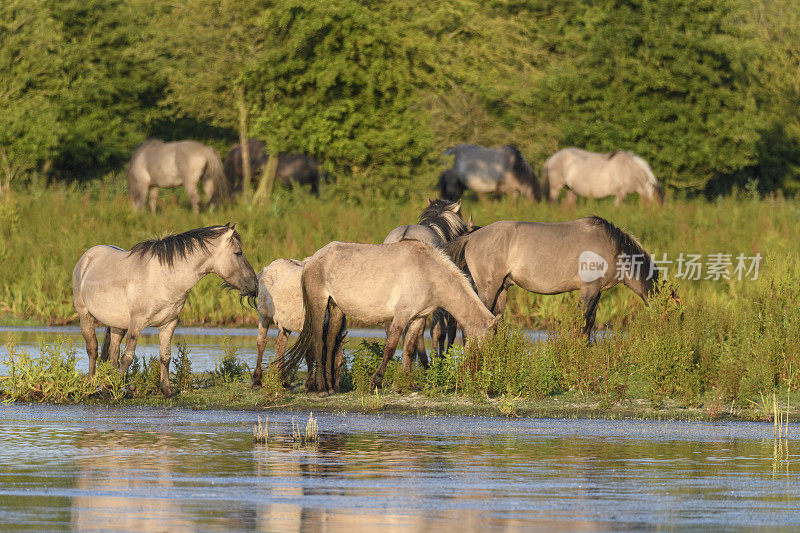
{"points": [[186, 272], [465, 306]]}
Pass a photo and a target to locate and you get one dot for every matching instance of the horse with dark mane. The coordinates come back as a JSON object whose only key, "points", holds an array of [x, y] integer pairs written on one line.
{"points": [[156, 164], [590, 255], [488, 170], [439, 223], [293, 169], [127, 291]]}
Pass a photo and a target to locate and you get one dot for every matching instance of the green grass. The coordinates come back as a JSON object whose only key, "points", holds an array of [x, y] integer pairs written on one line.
{"points": [[43, 234]]}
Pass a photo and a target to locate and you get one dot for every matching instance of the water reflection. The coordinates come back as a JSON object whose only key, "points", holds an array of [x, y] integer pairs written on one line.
{"points": [[149, 469]]}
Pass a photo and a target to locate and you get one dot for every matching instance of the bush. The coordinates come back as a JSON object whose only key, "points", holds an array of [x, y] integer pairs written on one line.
{"points": [[366, 360]]}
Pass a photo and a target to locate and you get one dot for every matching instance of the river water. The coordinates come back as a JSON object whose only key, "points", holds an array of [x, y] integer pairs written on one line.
{"points": [[149, 469]]}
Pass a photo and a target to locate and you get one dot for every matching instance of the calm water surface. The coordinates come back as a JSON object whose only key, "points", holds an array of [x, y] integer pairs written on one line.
{"points": [[204, 344], [94, 468]]}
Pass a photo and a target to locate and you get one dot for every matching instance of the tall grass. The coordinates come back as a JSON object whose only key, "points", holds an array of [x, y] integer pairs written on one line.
{"points": [[42, 235]]}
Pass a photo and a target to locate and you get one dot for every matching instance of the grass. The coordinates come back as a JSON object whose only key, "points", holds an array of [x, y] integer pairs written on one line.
{"points": [[42, 235], [725, 346]]}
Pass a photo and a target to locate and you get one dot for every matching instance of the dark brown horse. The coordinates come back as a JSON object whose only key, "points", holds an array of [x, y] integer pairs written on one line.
{"points": [[293, 169]]}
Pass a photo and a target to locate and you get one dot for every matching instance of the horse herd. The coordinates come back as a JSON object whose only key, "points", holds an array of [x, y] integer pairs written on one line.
{"points": [[156, 164], [443, 267]]}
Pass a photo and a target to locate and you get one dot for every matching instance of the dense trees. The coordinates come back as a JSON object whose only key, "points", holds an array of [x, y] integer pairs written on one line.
{"points": [[706, 90]]}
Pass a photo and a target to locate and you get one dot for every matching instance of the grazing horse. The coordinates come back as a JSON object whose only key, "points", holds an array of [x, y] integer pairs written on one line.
{"points": [[439, 223], [293, 169], [594, 175], [375, 283], [158, 164], [588, 254], [488, 170], [127, 291], [280, 300]]}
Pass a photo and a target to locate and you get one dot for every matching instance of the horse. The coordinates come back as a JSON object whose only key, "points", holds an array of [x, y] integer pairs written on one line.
{"points": [[376, 283], [594, 175], [157, 164], [127, 291], [488, 170], [590, 255], [439, 223], [293, 169], [280, 300]]}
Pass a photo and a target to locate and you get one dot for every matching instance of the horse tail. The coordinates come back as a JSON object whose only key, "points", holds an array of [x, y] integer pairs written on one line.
{"points": [[133, 178], [455, 250], [216, 173], [291, 357]]}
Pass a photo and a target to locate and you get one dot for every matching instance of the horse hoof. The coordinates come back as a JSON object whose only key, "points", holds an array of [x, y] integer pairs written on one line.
{"points": [[323, 394], [256, 386]]}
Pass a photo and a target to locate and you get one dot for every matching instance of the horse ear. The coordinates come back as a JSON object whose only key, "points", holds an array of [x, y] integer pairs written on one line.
{"points": [[430, 201], [233, 227], [456, 207], [470, 223]]}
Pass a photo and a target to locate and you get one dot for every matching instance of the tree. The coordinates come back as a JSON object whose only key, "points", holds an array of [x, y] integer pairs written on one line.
{"points": [[204, 47], [668, 80], [30, 60]]}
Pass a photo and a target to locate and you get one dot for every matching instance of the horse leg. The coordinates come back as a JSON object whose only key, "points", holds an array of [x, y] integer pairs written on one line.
{"points": [[335, 320], [590, 295], [87, 329], [208, 189], [571, 199], [104, 351], [619, 199], [412, 344], [134, 330], [316, 314], [164, 341], [338, 360], [395, 330], [115, 335], [194, 198], [153, 199], [261, 343]]}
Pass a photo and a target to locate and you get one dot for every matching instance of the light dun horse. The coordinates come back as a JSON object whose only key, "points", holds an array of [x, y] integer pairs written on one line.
{"points": [[552, 258], [280, 300], [594, 175], [158, 164], [488, 170], [439, 223], [147, 286], [376, 283]]}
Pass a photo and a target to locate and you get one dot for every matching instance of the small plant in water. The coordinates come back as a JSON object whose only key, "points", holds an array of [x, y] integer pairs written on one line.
{"points": [[507, 405], [310, 435], [370, 402], [261, 433]]}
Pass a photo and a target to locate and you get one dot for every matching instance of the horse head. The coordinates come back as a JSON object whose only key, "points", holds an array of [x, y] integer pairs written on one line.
{"points": [[229, 263]]}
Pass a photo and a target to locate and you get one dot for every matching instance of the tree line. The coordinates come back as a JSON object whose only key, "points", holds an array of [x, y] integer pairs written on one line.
{"points": [[705, 90]]}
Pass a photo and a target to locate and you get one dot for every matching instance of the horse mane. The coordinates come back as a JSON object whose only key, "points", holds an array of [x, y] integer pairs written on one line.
{"points": [[446, 261], [626, 244], [522, 170], [455, 251], [441, 218], [610, 155], [168, 249]]}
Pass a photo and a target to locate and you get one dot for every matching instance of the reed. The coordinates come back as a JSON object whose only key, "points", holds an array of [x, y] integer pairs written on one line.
{"points": [[261, 433], [309, 435]]}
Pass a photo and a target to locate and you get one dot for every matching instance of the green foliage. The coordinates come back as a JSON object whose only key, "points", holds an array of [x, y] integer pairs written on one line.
{"points": [[228, 368], [668, 80], [366, 360], [183, 368], [272, 385]]}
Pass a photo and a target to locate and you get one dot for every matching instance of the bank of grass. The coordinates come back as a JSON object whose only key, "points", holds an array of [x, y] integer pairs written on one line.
{"points": [[42, 235], [725, 356]]}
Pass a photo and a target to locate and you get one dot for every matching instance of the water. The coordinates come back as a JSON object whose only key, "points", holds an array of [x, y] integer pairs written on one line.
{"points": [[174, 470], [204, 344]]}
